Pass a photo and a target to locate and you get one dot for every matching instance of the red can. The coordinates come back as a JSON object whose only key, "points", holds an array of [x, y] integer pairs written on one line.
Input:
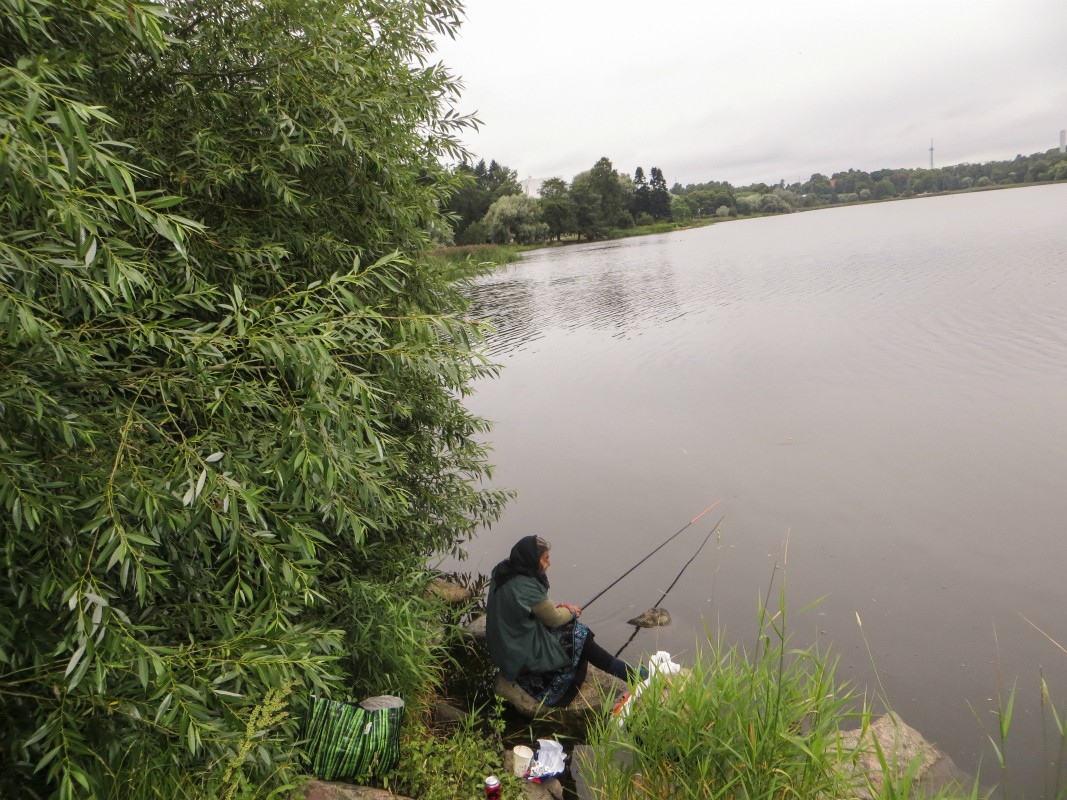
{"points": [[492, 788]]}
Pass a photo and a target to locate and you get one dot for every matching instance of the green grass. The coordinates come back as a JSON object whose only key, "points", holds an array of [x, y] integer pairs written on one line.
{"points": [[450, 762], [761, 724], [478, 254]]}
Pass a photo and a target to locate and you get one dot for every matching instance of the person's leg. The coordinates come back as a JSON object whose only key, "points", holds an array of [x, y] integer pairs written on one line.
{"points": [[602, 659]]}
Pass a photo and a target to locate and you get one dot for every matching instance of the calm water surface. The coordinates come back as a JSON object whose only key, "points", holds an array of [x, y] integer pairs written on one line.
{"points": [[876, 393]]}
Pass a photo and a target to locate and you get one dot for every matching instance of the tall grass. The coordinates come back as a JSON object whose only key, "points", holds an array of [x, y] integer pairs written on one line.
{"points": [[739, 724], [765, 723], [478, 254]]}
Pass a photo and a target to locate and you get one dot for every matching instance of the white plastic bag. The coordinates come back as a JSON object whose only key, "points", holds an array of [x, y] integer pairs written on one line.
{"points": [[660, 663], [548, 761]]}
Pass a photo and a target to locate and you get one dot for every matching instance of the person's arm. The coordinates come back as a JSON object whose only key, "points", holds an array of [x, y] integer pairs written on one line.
{"points": [[550, 616]]}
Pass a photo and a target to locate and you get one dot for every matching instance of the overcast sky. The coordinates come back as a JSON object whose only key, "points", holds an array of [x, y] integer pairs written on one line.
{"points": [[760, 91]]}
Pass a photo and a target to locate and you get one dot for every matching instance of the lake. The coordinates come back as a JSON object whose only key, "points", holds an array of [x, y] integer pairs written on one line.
{"points": [[876, 394]]}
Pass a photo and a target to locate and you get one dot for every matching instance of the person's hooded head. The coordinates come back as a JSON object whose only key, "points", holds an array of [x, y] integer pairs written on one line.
{"points": [[525, 559]]}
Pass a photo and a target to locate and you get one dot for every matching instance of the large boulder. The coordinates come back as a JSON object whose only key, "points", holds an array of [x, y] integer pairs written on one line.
{"points": [[901, 746], [597, 689]]}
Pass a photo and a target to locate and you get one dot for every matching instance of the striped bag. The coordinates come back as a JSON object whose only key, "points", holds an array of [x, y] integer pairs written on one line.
{"points": [[350, 741]]}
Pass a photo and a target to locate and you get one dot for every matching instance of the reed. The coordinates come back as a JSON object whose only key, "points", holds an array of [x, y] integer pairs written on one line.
{"points": [[759, 723], [477, 254]]}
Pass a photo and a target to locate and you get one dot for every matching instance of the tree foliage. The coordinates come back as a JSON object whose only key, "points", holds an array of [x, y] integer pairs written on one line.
{"points": [[230, 425], [659, 199], [479, 187], [515, 218], [557, 207]]}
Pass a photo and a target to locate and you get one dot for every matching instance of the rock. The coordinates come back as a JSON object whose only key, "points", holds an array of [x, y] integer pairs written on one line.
{"points": [[445, 712], [335, 790], [596, 687], [451, 593], [901, 745], [551, 789], [475, 629], [653, 618]]}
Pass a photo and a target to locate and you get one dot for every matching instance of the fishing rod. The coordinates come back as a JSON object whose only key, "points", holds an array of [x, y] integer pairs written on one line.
{"points": [[676, 577], [646, 558]]}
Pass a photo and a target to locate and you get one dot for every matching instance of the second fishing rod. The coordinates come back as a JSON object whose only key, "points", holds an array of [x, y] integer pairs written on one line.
{"points": [[656, 550], [677, 577]]}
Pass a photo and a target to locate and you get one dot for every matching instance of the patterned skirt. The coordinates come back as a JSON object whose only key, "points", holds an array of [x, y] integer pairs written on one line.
{"points": [[558, 688]]}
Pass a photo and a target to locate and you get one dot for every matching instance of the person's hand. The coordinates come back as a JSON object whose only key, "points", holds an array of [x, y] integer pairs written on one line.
{"points": [[576, 610]]}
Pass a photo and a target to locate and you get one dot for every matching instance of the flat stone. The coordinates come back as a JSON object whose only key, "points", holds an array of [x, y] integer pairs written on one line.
{"points": [[597, 686], [446, 712], [549, 790], [595, 690], [901, 745], [475, 629], [336, 790], [452, 593]]}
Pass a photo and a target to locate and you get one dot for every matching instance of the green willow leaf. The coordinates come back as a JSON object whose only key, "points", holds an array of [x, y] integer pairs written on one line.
{"points": [[230, 430]]}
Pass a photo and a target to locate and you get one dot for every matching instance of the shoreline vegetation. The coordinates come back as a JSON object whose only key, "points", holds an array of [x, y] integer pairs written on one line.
{"points": [[767, 722], [500, 254], [488, 204]]}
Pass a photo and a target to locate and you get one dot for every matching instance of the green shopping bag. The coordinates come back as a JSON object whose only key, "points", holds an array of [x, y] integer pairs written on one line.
{"points": [[352, 741]]}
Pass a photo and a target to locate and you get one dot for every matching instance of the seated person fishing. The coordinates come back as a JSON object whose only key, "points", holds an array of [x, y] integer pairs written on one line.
{"points": [[538, 644]]}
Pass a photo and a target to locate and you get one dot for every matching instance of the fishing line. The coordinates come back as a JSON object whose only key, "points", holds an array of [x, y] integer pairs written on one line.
{"points": [[646, 558], [676, 577]]}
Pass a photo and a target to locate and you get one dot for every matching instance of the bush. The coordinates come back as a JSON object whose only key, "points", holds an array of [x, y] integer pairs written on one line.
{"points": [[773, 204], [473, 234], [230, 418], [680, 209], [748, 203]]}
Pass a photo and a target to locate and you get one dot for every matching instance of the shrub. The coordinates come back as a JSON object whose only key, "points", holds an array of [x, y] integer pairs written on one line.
{"points": [[230, 419]]}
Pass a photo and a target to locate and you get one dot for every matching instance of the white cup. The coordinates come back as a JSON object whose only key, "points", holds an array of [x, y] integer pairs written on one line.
{"points": [[520, 759]]}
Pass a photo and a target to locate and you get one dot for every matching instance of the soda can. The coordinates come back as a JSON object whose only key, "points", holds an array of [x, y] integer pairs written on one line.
{"points": [[492, 788]]}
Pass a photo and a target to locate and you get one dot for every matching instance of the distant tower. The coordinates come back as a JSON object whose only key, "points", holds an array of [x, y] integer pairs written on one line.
{"points": [[1063, 141], [931, 154]]}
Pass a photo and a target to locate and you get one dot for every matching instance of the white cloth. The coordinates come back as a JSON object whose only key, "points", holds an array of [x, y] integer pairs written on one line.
{"points": [[660, 663], [548, 761]]}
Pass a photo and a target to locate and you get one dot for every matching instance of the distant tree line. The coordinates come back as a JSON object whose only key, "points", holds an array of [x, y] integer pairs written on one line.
{"points": [[720, 199], [490, 205]]}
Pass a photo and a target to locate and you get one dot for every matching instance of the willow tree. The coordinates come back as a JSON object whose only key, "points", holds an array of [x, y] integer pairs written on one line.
{"points": [[230, 390]]}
